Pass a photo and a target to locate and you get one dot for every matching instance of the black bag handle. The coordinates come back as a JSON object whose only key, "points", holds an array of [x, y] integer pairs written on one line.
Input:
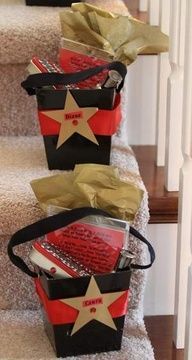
{"points": [[39, 80], [44, 226]]}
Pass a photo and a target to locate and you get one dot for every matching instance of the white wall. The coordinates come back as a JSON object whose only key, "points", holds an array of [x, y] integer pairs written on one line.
{"points": [[142, 100], [159, 294]]}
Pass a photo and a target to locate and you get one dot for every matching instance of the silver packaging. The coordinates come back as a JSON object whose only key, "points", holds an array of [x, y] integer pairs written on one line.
{"points": [[66, 261], [86, 49], [113, 79], [125, 259]]}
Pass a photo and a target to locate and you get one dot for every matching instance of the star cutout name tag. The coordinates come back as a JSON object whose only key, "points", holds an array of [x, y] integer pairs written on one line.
{"points": [[73, 119], [93, 306]]}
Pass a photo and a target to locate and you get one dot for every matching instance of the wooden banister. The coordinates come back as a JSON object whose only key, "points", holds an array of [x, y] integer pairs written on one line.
{"points": [[163, 205]]}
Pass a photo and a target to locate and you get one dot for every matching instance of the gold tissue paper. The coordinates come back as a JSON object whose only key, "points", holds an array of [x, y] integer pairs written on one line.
{"points": [[122, 37], [92, 185]]}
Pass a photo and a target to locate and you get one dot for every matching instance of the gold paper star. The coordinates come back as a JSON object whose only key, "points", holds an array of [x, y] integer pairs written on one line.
{"points": [[73, 119], [93, 306]]}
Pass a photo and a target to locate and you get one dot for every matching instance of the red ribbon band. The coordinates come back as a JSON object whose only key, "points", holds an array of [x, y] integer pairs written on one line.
{"points": [[104, 122], [61, 313]]}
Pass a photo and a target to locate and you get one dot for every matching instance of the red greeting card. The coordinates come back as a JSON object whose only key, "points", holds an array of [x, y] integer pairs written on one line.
{"points": [[74, 56], [97, 247]]}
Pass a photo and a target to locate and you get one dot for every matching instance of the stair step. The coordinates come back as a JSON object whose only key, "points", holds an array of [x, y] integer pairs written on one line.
{"points": [[161, 332], [133, 6], [23, 337], [163, 204]]}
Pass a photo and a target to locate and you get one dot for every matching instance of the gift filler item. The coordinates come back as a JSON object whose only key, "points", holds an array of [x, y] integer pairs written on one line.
{"points": [[98, 186], [84, 314], [62, 3], [76, 124], [122, 37]]}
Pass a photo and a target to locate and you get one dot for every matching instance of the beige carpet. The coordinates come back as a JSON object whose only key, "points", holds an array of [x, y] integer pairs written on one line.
{"points": [[26, 31], [23, 337]]}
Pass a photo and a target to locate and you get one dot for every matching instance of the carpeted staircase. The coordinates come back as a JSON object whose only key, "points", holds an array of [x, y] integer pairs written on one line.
{"points": [[25, 32]]}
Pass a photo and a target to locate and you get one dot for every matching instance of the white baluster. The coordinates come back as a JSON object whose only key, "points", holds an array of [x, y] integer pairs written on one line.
{"points": [[154, 12], [143, 5], [164, 70], [188, 336], [154, 19], [187, 134], [185, 206], [173, 158]]}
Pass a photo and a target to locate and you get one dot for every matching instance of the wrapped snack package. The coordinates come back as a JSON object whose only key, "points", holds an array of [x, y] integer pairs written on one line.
{"points": [[82, 188], [122, 37]]}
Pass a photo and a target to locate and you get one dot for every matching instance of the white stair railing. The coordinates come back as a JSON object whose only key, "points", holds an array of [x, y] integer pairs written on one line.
{"points": [[173, 157], [164, 70], [143, 5], [185, 207]]}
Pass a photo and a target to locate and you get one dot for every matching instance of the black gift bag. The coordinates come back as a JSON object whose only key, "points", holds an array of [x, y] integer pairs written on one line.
{"points": [[85, 314], [76, 123], [61, 3]]}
